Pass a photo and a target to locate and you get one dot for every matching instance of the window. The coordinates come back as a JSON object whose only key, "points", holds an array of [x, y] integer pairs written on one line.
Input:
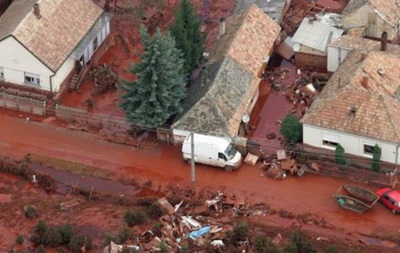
{"points": [[368, 149], [1, 73], [330, 140], [95, 44], [221, 156], [32, 78]]}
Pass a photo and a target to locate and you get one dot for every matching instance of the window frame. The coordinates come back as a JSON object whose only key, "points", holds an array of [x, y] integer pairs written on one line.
{"points": [[35, 79], [330, 140], [370, 146]]}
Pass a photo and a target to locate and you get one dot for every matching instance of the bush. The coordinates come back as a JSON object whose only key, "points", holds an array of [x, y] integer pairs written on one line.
{"points": [[240, 232], [291, 129], [78, 241], [19, 240], [155, 210], [31, 211], [134, 218], [157, 229], [52, 237], [41, 227], [302, 245], [339, 155], [376, 158], [331, 249], [124, 235], [66, 232], [263, 244]]}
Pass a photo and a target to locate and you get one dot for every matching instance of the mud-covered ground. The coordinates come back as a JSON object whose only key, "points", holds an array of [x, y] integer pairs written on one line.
{"points": [[161, 167]]}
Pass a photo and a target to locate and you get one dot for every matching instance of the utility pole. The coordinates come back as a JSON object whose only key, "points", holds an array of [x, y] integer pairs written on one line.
{"points": [[193, 169]]}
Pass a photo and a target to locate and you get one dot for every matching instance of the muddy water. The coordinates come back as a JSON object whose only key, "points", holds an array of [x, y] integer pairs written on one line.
{"points": [[65, 178]]}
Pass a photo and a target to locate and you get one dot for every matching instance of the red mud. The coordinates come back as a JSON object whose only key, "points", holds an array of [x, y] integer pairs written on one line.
{"points": [[164, 166]]}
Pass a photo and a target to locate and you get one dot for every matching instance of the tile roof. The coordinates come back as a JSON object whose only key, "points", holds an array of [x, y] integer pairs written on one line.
{"points": [[351, 43], [233, 67], [388, 9], [53, 37], [377, 104]]}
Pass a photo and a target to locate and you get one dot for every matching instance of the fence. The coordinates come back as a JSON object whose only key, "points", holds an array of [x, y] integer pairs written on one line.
{"points": [[359, 171], [23, 104], [110, 128]]}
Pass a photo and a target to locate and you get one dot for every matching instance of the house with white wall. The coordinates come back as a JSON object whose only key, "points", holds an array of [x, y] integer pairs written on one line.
{"points": [[359, 107], [43, 42], [341, 47], [376, 16], [227, 89]]}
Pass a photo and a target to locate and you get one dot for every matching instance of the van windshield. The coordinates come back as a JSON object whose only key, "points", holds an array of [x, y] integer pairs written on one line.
{"points": [[230, 152]]}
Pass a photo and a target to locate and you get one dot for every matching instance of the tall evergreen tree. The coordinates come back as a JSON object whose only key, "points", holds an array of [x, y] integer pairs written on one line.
{"points": [[186, 30], [160, 86]]}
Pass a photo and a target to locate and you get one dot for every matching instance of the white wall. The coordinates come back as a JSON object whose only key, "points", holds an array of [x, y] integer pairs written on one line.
{"points": [[16, 60], [179, 135], [62, 73], [336, 56], [352, 144]]}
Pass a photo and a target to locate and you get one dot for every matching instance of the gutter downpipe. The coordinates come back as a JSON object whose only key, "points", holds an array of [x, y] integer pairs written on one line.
{"points": [[397, 155]]}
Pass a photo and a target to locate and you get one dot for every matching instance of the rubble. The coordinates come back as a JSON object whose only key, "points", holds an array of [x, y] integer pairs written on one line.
{"points": [[184, 224]]}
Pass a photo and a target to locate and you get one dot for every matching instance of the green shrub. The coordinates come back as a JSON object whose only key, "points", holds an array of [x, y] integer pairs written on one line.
{"points": [[66, 232], [19, 240], [124, 235], [31, 211], [339, 155], [331, 249], [263, 244], [78, 241], [291, 129], [134, 218], [157, 229], [303, 245], [52, 237], [240, 232], [41, 227], [376, 158], [163, 247], [155, 210]]}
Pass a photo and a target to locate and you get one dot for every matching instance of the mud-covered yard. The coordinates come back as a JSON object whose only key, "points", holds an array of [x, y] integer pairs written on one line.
{"points": [[273, 207]]}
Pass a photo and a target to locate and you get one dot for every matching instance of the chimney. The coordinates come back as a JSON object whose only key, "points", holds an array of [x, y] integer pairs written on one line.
{"points": [[36, 10], [364, 81], [384, 41], [221, 26]]}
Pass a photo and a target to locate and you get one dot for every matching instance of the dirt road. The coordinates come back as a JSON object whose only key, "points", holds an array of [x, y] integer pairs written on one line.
{"points": [[308, 194]]}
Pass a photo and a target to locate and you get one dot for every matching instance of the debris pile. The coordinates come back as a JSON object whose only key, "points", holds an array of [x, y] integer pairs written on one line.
{"points": [[202, 226], [104, 79], [282, 165]]}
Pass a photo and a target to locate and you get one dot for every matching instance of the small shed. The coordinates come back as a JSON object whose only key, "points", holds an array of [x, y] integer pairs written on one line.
{"points": [[313, 37]]}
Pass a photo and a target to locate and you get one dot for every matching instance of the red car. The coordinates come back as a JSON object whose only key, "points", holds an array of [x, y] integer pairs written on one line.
{"points": [[391, 198]]}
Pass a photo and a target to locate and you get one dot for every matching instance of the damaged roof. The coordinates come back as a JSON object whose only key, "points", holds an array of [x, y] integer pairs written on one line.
{"points": [[351, 43], [322, 34], [389, 10], [217, 105], [53, 36], [362, 97]]}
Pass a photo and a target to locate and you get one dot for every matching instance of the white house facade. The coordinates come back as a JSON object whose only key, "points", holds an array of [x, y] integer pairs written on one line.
{"points": [[42, 47], [353, 144]]}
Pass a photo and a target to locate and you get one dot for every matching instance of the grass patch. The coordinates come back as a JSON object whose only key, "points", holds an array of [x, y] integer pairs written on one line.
{"points": [[72, 167]]}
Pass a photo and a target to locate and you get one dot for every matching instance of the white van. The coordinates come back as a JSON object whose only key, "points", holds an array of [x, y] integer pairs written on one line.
{"points": [[210, 150]]}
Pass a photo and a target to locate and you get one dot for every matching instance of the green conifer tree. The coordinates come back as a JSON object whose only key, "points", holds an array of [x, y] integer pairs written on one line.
{"points": [[186, 31], [376, 158], [160, 86]]}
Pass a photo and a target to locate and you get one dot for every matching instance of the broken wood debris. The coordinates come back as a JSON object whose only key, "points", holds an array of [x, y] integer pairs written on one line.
{"points": [[283, 165], [184, 225]]}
